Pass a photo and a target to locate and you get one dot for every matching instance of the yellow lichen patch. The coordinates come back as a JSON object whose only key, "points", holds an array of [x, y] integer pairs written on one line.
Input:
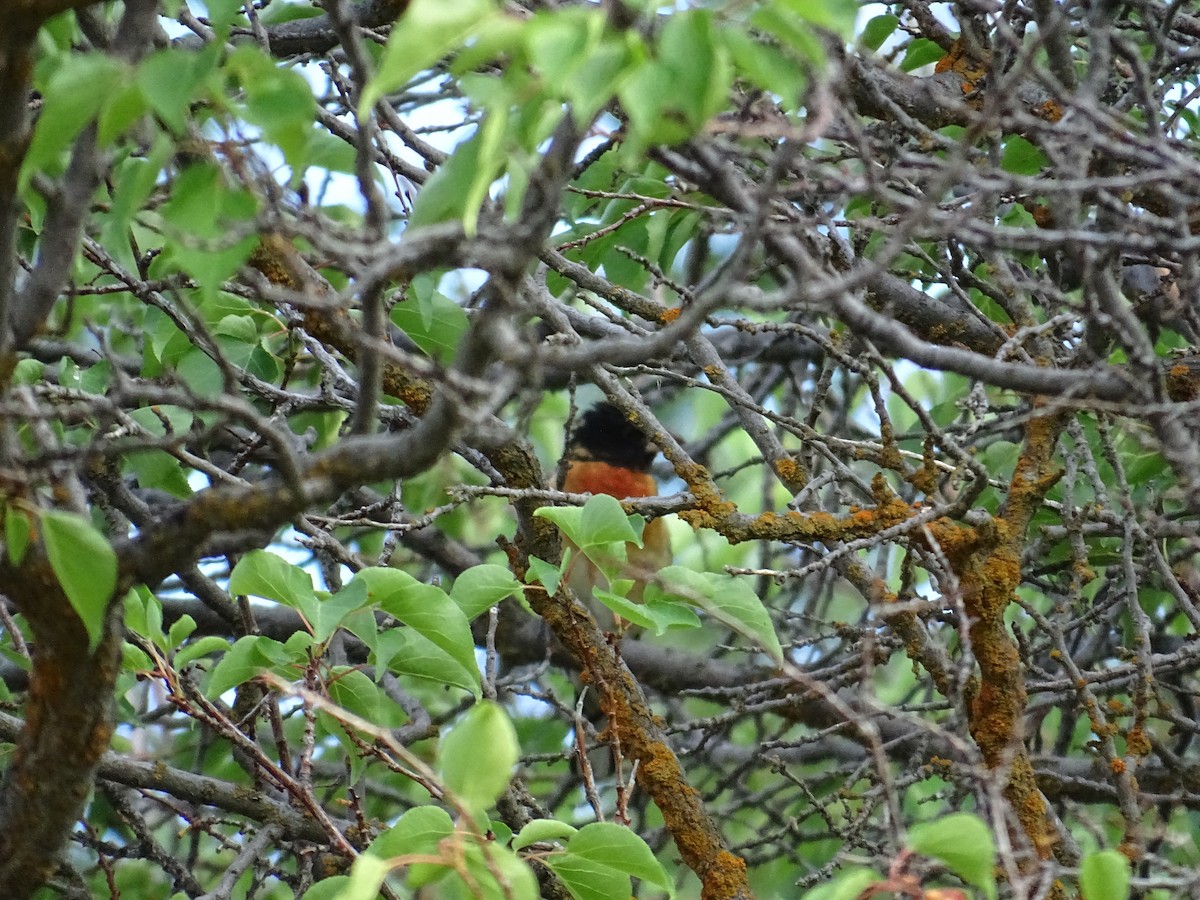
{"points": [[725, 877], [270, 258], [789, 469], [1050, 110], [963, 60], [953, 540], [1183, 381], [1137, 742]]}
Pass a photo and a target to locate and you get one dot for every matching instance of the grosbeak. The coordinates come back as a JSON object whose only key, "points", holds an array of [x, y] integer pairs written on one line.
{"points": [[607, 454]]}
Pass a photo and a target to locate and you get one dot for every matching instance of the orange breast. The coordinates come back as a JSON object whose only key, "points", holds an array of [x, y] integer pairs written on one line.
{"points": [[587, 477]]}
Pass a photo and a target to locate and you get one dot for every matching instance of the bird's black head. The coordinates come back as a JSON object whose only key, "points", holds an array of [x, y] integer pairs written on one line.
{"points": [[605, 435]]}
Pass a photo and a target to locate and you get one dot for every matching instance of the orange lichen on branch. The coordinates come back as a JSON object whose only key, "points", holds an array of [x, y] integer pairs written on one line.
{"points": [[279, 262], [68, 723], [1022, 791], [925, 478], [722, 874], [1036, 473], [1049, 110], [791, 471], [966, 61], [953, 540], [273, 257], [987, 564], [1183, 380], [1137, 742], [725, 877], [723, 517]]}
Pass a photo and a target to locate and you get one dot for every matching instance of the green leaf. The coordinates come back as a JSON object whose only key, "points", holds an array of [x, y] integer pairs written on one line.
{"points": [[121, 110], [1021, 157], [222, 14], [543, 831], [443, 197], [492, 873], [181, 628], [542, 572], [764, 65], [28, 371], [426, 32], [838, 16], [326, 151], [577, 57], [669, 98], [658, 611], [143, 615], [848, 885], [253, 654], [600, 521], [405, 651], [587, 879], [199, 215], [278, 13], [85, 565], [731, 600], [964, 843], [135, 659], [200, 373], [435, 323], [354, 692], [419, 831], [921, 52], [1017, 216], [559, 45], [623, 607], [490, 163], [878, 30], [191, 208], [1104, 875], [171, 79], [331, 612], [791, 30], [278, 100], [428, 611], [75, 94], [482, 587], [240, 328], [501, 833], [154, 617], [621, 849], [95, 379], [449, 194], [605, 521], [159, 469], [242, 662], [478, 755], [366, 876], [263, 574], [567, 518], [362, 624], [204, 647], [17, 528], [330, 889]]}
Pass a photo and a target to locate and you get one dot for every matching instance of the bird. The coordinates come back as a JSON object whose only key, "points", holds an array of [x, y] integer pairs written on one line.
{"points": [[608, 454]]}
